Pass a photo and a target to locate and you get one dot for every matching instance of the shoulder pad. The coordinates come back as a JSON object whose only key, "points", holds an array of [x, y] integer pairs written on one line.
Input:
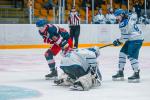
{"points": [[52, 30], [123, 23]]}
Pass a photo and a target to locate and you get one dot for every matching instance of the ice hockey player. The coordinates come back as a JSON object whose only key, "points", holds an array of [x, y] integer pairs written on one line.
{"points": [[132, 36], [60, 40], [81, 69]]}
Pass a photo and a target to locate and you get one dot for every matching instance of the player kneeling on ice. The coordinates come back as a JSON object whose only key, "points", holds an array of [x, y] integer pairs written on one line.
{"points": [[81, 68], [132, 36]]}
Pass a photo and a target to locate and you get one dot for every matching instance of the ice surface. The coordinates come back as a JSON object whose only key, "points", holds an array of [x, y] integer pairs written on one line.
{"points": [[26, 68]]}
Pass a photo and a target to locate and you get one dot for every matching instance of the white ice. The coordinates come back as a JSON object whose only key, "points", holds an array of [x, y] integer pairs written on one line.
{"points": [[26, 68]]}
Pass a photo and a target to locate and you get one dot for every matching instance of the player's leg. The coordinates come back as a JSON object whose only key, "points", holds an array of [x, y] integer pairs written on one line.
{"points": [[122, 61], [83, 83], [73, 72], [133, 51], [70, 42], [96, 74], [51, 61], [92, 78], [76, 37], [72, 34]]}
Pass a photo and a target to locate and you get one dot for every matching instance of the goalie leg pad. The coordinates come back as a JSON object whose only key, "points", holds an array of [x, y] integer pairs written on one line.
{"points": [[64, 80], [85, 83]]}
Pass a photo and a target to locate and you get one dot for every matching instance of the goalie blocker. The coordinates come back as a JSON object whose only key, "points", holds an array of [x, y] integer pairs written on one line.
{"points": [[81, 68]]}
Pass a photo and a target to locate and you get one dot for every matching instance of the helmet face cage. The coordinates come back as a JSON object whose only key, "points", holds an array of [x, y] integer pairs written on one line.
{"points": [[40, 28]]}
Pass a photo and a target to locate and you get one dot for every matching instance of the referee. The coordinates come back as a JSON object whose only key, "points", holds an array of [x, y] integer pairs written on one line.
{"points": [[74, 25]]}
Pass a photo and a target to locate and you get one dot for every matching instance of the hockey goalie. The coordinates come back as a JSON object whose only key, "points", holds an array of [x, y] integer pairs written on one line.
{"points": [[80, 69]]}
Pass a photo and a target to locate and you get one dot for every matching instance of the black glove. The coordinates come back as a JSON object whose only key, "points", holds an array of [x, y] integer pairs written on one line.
{"points": [[64, 44], [117, 43]]}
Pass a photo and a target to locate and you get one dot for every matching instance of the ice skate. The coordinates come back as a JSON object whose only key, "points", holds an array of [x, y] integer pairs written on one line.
{"points": [[58, 81], [52, 75], [77, 86], [64, 81], [118, 77], [135, 78]]}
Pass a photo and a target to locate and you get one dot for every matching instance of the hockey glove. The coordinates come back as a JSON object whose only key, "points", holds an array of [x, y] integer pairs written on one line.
{"points": [[117, 43]]}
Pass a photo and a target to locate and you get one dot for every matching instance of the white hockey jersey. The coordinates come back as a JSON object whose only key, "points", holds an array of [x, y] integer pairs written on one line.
{"points": [[83, 57], [129, 31], [133, 17]]}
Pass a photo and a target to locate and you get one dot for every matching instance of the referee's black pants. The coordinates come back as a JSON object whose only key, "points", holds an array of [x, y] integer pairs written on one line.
{"points": [[74, 34]]}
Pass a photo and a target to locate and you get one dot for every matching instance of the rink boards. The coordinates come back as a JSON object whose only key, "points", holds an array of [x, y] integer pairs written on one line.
{"points": [[25, 36]]}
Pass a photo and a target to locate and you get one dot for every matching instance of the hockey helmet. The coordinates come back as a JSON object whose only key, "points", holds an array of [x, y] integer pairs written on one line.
{"points": [[119, 12], [41, 23]]}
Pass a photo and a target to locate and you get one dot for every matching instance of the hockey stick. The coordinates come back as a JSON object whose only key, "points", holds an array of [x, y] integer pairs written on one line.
{"points": [[105, 46]]}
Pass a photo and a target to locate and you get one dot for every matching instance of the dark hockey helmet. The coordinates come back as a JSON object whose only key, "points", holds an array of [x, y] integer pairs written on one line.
{"points": [[41, 23], [119, 12]]}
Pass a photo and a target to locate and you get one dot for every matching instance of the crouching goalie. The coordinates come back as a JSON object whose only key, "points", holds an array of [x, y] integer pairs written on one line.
{"points": [[80, 67]]}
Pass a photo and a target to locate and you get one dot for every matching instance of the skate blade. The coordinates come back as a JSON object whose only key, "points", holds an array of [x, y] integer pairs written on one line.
{"points": [[51, 78], [134, 81], [77, 88], [118, 79]]}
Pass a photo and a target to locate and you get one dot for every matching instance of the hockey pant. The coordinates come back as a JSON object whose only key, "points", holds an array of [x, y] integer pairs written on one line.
{"points": [[73, 71], [130, 50], [55, 49]]}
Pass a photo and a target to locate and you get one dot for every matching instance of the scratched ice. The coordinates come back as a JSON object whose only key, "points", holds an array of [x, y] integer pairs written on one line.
{"points": [[26, 68]]}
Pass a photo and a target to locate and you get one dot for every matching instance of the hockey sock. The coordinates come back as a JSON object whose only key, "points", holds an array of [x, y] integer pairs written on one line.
{"points": [[122, 60]]}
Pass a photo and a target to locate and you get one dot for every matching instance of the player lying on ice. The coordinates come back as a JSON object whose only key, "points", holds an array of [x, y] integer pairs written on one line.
{"points": [[59, 39], [80, 69]]}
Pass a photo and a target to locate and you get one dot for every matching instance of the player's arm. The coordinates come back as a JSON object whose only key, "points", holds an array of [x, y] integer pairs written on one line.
{"points": [[60, 41]]}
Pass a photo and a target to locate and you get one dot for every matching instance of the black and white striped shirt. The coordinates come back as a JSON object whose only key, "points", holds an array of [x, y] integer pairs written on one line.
{"points": [[74, 19]]}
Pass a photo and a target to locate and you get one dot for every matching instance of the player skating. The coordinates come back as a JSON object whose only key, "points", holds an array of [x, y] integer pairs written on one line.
{"points": [[60, 40], [131, 35], [80, 69]]}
